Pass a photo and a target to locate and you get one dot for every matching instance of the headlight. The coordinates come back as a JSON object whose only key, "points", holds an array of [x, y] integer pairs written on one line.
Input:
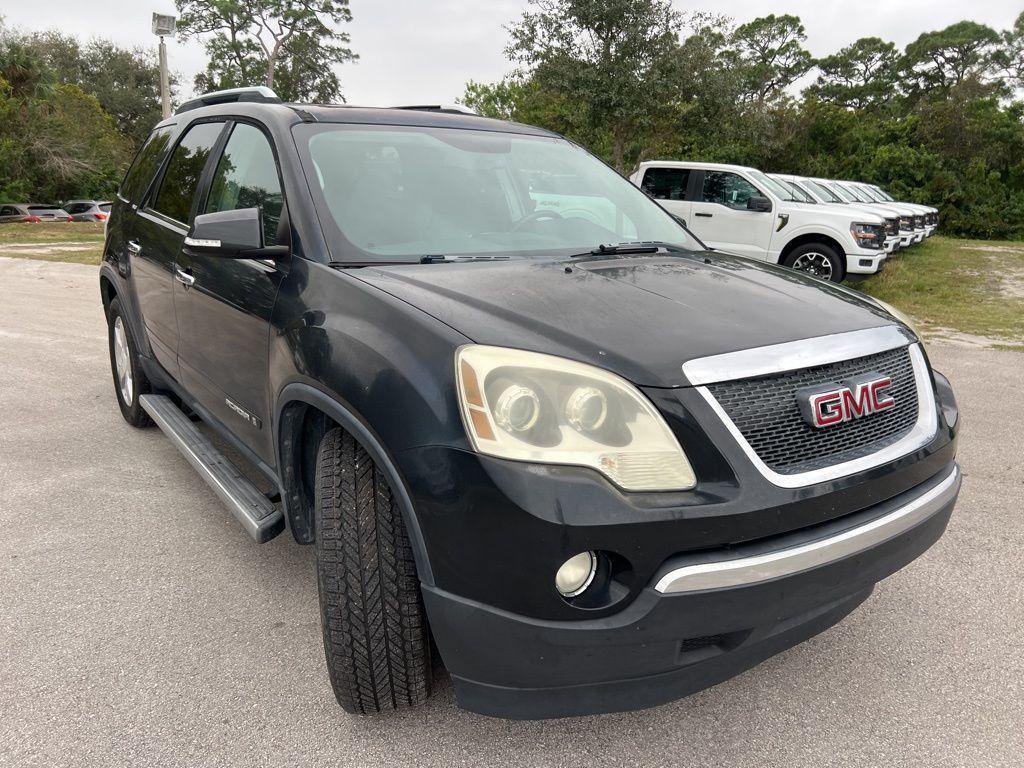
{"points": [[868, 235], [527, 406]]}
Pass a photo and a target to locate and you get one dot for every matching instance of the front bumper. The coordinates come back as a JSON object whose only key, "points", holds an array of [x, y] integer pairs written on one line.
{"points": [[702, 618], [865, 262]]}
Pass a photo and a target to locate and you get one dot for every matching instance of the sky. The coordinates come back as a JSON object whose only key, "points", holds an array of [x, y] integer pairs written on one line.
{"points": [[424, 51]]}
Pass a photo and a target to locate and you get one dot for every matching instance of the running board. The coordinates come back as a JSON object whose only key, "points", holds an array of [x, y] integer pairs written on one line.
{"points": [[260, 517]]}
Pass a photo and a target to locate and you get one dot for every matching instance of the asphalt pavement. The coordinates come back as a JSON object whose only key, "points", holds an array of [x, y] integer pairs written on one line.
{"points": [[139, 625]]}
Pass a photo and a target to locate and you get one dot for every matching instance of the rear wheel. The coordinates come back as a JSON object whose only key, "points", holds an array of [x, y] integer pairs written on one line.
{"points": [[816, 259], [129, 379], [374, 625]]}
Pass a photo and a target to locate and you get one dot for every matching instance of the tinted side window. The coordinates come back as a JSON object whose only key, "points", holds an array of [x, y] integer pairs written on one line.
{"points": [[666, 183], [246, 177], [184, 169], [143, 168], [728, 189]]}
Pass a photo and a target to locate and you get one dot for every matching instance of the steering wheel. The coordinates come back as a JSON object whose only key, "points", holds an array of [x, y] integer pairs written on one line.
{"points": [[540, 215]]}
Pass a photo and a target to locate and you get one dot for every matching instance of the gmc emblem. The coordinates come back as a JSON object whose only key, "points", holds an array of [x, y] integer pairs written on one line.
{"points": [[829, 404]]}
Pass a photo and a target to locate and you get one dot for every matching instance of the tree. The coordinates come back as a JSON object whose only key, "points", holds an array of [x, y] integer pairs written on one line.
{"points": [[861, 75], [125, 82], [288, 45], [1009, 57], [946, 58], [769, 55], [615, 58]]}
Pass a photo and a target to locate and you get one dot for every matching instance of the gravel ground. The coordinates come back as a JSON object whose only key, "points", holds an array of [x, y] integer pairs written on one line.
{"points": [[139, 625]]}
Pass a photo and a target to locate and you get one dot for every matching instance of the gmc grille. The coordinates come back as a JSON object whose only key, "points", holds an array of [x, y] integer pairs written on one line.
{"points": [[766, 412]]}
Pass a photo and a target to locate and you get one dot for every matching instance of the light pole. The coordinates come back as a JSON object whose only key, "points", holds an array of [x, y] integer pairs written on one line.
{"points": [[163, 25]]}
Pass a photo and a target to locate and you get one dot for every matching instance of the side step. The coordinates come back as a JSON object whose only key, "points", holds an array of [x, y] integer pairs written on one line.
{"points": [[260, 517]]}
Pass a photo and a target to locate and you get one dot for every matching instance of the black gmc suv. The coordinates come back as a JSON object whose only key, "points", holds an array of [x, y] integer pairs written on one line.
{"points": [[524, 417]]}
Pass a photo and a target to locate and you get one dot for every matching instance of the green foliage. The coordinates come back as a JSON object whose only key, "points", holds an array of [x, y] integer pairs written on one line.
{"points": [[125, 82], [56, 140], [616, 57], [940, 60], [860, 76], [288, 45], [769, 56], [934, 124]]}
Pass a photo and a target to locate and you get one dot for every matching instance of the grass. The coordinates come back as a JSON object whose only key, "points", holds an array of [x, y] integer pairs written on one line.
{"points": [[77, 242], [961, 286]]}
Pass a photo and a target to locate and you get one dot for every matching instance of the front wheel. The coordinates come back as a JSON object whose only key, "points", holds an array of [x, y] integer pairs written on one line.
{"points": [[818, 260], [129, 379], [374, 624]]}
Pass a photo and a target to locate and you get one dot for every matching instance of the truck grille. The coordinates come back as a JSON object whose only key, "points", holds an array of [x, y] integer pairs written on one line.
{"points": [[765, 411], [892, 227]]}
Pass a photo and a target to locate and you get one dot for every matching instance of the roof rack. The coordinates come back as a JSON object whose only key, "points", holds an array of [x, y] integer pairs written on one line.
{"points": [[257, 93], [457, 109]]}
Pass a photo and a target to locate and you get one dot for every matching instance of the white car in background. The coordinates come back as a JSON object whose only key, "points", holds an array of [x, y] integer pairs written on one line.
{"points": [[741, 210], [829, 192], [911, 219], [802, 190], [931, 215]]}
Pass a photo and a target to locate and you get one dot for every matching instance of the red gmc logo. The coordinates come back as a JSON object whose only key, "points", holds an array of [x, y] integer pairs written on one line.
{"points": [[831, 404]]}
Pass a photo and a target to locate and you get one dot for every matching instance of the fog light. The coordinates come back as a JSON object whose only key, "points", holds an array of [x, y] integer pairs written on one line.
{"points": [[576, 574]]}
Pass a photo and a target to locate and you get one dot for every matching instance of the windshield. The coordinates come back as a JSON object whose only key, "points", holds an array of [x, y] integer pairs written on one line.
{"points": [[845, 194], [884, 195], [777, 189], [798, 194], [824, 192], [394, 193], [867, 193]]}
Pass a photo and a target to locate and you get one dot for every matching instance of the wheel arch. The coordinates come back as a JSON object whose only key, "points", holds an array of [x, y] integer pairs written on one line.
{"points": [[108, 292], [298, 417]]}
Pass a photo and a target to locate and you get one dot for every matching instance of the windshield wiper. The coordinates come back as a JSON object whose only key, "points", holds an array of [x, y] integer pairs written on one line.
{"points": [[612, 250]]}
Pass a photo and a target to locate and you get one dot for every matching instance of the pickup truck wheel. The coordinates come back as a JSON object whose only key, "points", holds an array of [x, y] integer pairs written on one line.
{"points": [[129, 379], [375, 628], [816, 259]]}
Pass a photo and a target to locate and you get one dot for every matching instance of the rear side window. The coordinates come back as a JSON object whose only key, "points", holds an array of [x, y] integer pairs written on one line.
{"points": [[246, 177], [174, 199], [9, 210], [144, 167], [666, 183], [728, 189], [105, 207]]}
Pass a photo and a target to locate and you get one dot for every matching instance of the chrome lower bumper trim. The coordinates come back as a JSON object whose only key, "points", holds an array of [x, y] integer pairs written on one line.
{"points": [[786, 562]]}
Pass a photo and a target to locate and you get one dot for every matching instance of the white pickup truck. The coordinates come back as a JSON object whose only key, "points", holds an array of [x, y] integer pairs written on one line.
{"points": [[923, 215], [741, 210], [899, 227]]}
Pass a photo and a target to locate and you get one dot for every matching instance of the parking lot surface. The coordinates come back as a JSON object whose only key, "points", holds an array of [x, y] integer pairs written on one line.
{"points": [[139, 625]]}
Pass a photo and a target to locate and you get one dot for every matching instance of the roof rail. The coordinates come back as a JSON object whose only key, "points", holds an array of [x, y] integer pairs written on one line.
{"points": [[458, 109], [259, 93]]}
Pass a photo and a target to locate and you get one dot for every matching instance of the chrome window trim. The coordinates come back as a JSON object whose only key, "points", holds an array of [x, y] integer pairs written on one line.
{"points": [[794, 355], [743, 571], [920, 434]]}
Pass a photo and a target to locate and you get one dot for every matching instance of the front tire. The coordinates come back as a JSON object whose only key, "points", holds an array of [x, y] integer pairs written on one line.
{"points": [[818, 260], [375, 629], [129, 379]]}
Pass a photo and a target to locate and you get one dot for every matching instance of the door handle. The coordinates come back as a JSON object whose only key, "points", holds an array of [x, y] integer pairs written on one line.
{"points": [[134, 247], [184, 277], [704, 215]]}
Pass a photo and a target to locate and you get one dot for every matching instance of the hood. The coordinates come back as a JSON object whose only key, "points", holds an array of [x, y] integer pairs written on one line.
{"points": [[641, 317], [854, 212], [861, 209]]}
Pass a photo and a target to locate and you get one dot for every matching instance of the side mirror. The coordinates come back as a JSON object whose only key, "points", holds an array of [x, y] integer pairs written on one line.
{"points": [[234, 234], [759, 204]]}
